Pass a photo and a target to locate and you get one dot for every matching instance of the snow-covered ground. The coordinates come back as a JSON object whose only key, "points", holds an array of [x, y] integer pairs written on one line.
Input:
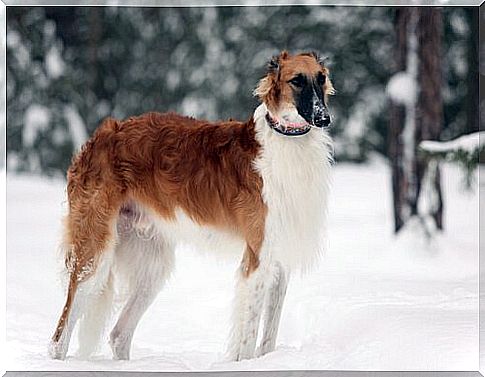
{"points": [[376, 302]]}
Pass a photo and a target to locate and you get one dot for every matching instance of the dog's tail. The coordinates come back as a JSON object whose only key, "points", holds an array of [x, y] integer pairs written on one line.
{"points": [[93, 323]]}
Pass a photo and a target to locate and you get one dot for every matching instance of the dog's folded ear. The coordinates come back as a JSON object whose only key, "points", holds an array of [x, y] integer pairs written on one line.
{"points": [[315, 55], [274, 64], [321, 60], [267, 90]]}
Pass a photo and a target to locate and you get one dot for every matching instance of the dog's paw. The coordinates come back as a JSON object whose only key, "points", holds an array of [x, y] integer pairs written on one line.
{"points": [[239, 356], [264, 348], [57, 350], [120, 347]]}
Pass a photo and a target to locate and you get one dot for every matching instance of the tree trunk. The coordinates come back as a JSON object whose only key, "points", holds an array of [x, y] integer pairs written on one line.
{"points": [[472, 103], [429, 107], [397, 119], [424, 25]]}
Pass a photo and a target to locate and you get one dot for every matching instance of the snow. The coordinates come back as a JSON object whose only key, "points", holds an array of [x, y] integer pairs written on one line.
{"points": [[20, 52], [77, 128], [459, 24], [467, 143], [429, 200], [375, 302], [54, 64], [360, 120], [36, 119], [401, 88]]}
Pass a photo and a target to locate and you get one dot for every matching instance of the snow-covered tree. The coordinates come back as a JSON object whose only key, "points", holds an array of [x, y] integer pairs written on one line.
{"points": [[416, 113]]}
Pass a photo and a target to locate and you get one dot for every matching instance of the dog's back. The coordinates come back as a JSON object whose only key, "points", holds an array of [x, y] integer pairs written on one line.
{"points": [[167, 162]]}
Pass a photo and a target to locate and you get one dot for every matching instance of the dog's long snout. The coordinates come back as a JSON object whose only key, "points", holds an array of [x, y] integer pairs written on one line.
{"points": [[311, 107], [321, 116]]}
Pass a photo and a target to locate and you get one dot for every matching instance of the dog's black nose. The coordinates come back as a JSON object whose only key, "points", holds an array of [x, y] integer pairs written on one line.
{"points": [[323, 122]]}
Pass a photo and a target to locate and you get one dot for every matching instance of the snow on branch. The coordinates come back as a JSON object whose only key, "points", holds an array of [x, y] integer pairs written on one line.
{"points": [[464, 150], [77, 128], [467, 143]]}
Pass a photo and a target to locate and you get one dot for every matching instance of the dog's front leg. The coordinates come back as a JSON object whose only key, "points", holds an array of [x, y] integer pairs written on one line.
{"points": [[248, 304], [273, 304]]}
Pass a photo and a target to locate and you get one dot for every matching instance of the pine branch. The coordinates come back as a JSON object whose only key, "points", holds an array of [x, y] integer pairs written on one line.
{"points": [[464, 151]]}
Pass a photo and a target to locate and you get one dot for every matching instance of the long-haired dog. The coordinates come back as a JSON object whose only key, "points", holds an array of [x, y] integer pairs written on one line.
{"points": [[140, 186]]}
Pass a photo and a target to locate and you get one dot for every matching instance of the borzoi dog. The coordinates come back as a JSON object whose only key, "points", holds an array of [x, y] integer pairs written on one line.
{"points": [[141, 185]]}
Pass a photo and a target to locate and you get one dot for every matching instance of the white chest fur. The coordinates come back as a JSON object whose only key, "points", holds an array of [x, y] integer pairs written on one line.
{"points": [[296, 177]]}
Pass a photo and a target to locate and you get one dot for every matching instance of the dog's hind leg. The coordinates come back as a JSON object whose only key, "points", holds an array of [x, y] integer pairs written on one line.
{"points": [[88, 282], [273, 305], [145, 264], [69, 316], [97, 302], [90, 238]]}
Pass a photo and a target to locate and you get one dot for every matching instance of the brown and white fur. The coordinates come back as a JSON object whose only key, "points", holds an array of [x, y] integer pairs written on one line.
{"points": [[140, 186]]}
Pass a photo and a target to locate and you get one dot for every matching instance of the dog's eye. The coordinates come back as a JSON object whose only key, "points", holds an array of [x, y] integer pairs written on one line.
{"points": [[321, 78], [297, 81]]}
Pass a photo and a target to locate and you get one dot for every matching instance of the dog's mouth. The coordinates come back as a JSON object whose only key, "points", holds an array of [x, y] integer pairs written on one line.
{"points": [[288, 128]]}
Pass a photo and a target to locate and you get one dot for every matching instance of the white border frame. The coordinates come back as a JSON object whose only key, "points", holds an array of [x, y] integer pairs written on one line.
{"points": [[204, 3]]}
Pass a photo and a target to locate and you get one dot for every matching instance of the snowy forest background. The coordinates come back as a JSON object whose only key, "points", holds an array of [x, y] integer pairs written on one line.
{"points": [[70, 67], [396, 295]]}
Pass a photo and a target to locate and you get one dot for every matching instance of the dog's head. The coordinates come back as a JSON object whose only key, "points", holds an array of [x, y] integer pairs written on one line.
{"points": [[295, 90]]}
